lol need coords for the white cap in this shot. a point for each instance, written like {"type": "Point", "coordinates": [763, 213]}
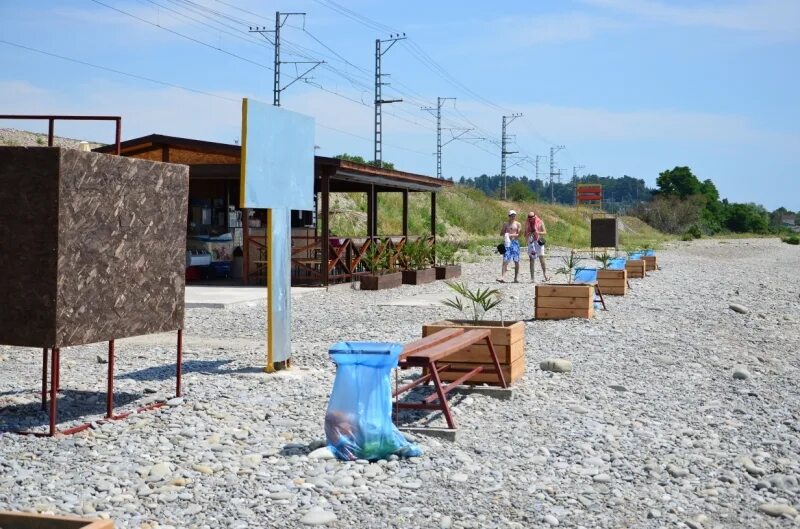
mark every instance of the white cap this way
{"type": "Point", "coordinates": [512, 212]}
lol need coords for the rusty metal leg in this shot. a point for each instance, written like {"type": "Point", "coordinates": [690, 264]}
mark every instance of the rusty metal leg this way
{"type": "Point", "coordinates": [110, 389]}
{"type": "Point", "coordinates": [54, 368]}
{"type": "Point", "coordinates": [44, 378]}
{"type": "Point", "coordinates": [500, 375]}
{"type": "Point", "coordinates": [437, 383]}
{"type": "Point", "coordinates": [180, 363]}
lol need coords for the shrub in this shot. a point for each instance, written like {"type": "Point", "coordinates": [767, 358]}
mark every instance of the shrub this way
{"type": "Point", "coordinates": [694, 231]}
{"type": "Point", "coordinates": [687, 237]}
{"type": "Point", "coordinates": [792, 239]}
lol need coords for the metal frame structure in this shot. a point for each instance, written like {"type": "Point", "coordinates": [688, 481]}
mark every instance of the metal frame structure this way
{"type": "Point", "coordinates": [53, 355]}
{"type": "Point", "coordinates": [51, 119]}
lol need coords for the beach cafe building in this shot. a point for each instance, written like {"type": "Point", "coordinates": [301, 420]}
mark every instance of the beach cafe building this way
{"type": "Point", "coordinates": [224, 241]}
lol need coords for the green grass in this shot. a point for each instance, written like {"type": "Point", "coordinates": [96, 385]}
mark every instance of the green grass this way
{"type": "Point", "coordinates": [468, 216]}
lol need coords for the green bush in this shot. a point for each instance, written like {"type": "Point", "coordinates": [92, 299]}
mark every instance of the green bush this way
{"type": "Point", "coordinates": [792, 239]}
{"type": "Point", "coordinates": [687, 237]}
{"type": "Point", "coordinates": [694, 231]}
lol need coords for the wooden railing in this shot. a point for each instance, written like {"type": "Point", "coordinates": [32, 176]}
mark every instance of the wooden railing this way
{"type": "Point", "coordinates": [345, 256]}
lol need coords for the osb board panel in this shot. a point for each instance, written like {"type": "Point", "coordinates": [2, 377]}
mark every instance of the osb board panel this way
{"type": "Point", "coordinates": [511, 372]}
{"type": "Point", "coordinates": [188, 157]}
{"type": "Point", "coordinates": [18, 520]}
{"type": "Point", "coordinates": [542, 313]}
{"type": "Point", "coordinates": [566, 291]}
{"type": "Point", "coordinates": [503, 333]}
{"type": "Point", "coordinates": [107, 236]}
{"type": "Point", "coordinates": [563, 303]}
{"type": "Point", "coordinates": [122, 247]}
{"type": "Point", "coordinates": [28, 244]}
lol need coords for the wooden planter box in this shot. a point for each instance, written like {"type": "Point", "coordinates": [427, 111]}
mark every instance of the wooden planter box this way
{"type": "Point", "coordinates": [650, 262]}
{"type": "Point", "coordinates": [448, 272]}
{"type": "Point", "coordinates": [612, 282]}
{"type": "Point", "coordinates": [508, 339]}
{"type": "Point", "coordinates": [558, 302]}
{"type": "Point", "coordinates": [19, 520]}
{"type": "Point", "coordinates": [381, 282]}
{"type": "Point", "coordinates": [419, 277]}
{"type": "Point", "coordinates": [636, 268]}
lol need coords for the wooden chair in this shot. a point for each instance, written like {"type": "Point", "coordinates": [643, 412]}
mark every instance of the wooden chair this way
{"type": "Point", "coordinates": [588, 276]}
{"type": "Point", "coordinates": [430, 353]}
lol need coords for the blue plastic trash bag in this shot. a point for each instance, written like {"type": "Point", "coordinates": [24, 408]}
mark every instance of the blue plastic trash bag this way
{"type": "Point", "coordinates": [358, 423]}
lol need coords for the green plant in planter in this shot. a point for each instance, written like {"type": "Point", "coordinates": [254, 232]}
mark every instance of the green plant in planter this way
{"type": "Point", "coordinates": [415, 255]}
{"type": "Point", "coordinates": [379, 258]}
{"type": "Point", "coordinates": [445, 254]}
{"type": "Point", "coordinates": [374, 260]}
{"type": "Point", "coordinates": [604, 259]}
{"type": "Point", "coordinates": [478, 301]}
{"type": "Point", "coordinates": [570, 263]}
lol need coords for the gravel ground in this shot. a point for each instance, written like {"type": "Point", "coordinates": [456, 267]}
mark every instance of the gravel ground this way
{"type": "Point", "coordinates": [678, 412]}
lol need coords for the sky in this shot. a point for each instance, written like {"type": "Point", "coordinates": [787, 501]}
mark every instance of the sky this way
{"type": "Point", "coordinates": [627, 87]}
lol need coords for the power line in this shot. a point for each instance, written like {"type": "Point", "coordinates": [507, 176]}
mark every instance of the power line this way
{"type": "Point", "coordinates": [184, 36]}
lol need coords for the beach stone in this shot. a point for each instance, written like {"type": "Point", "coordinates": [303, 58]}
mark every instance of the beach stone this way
{"type": "Point", "coordinates": [556, 365]}
{"type": "Point", "coordinates": [203, 469]}
{"type": "Point", "coordinates": [445, 522]}
{"type": "Point", "coordinates": [741, 373]}
{"type": "Point", "coordinates": [158, 472]}
{"type": "Point", "coordinates": [551, 520]}
{"type": "Point", "coordinates": [602, 478]}
{"type": "Point", "coordinates": [741, 309]}
{"type": "Point", "coordinates": [318, 516]}
{"type": "Point", "coordinates": [175, 401]}
{"type": "Point", "coordinates": [676, 471]}
{"type": "Point", "coordinates": [777, 509]}
{"type": "Point", "coordinates": [321, 453]}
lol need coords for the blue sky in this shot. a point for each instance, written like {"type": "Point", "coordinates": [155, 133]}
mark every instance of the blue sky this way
{"type": "Point", "coordinates": [627, 86]}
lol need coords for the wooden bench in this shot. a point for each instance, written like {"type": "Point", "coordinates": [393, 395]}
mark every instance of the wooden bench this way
{"type": "Point", "coordinates": [430, 353]}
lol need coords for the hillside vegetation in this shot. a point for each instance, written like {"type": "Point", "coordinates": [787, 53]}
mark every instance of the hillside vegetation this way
{"type": "Point", "coordinates": [466, 214]}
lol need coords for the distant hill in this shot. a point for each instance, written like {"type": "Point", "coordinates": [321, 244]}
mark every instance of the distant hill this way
{"type": "Point", "coordinates": [23, 138]}
{"type": "Point", "coordinates": [467, 214]}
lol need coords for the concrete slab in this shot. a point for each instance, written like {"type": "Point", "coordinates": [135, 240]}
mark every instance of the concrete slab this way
{"type": "Point", "coordinates": [222, 297]}
{"type": "Point", "coordinates": [420, 300]}
{"type": "Point", "coordinates": [440, 433]}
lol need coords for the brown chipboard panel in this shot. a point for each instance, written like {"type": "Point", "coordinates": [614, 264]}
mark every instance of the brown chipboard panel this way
{"type": "Point", "coordinates": [92, 246]}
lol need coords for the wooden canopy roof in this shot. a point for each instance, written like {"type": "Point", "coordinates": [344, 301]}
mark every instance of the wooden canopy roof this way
{"type": "Point", "coordinates": [214, 160]}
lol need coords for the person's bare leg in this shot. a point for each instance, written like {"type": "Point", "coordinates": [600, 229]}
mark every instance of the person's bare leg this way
{"type": "Point", "coordinates": [532, 265]}
{"type": "Point", "coordinates": [544, 268]}
{"type": "Point", "coordinates": [504, 270]}
{"type": "Point", "coordinates": [516, 271]}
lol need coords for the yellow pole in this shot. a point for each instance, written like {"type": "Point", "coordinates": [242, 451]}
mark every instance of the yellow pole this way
{"type": "Point", "coordinates": [270, 368]}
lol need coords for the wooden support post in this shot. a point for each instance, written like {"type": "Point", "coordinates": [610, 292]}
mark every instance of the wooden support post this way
{"type": "Point", "coordinates": [433, 225]}
{"type": "Point", "coordinates": [246, 244]}
{"type": "Point", "coordinates": [405, 213]}
{"type": "Point", "coordinates": [324, 239]}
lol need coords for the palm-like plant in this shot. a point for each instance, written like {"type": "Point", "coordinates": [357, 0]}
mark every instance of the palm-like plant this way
{"type": "Point", "coordinates": [445, 254]}
{"type": "Point", "coordinates": [373, 259]}
{"type": "Point", "coordinates": [478, 301]}
{"type": "Point", "coordinates": [604, 259]}
{"type": "Point", "coordinates": [570, 263]}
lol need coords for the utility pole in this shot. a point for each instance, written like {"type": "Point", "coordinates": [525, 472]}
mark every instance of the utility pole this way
{"type": "Point", "coordinates": [503, 152]}
{"type": "Point", "coordinates": [575, 181]}
{"type": "Point", "coordinates": [461, 132]}
{"type": "Point", "coordinates": [553, 151]}
{"type": "Point", "coordinates": [538, 157]}
{"type": "Point", "coordinates": [280, 20]}
{"type": "Point", "coordinates": [379, 101]}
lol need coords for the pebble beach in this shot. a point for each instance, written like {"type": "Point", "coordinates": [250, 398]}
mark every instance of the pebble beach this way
{"type": "Point", "coordinates": [679, 406]}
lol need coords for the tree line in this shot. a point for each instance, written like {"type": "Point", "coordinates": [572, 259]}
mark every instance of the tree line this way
{"type": "Point", "coordinates": [680, 203]}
